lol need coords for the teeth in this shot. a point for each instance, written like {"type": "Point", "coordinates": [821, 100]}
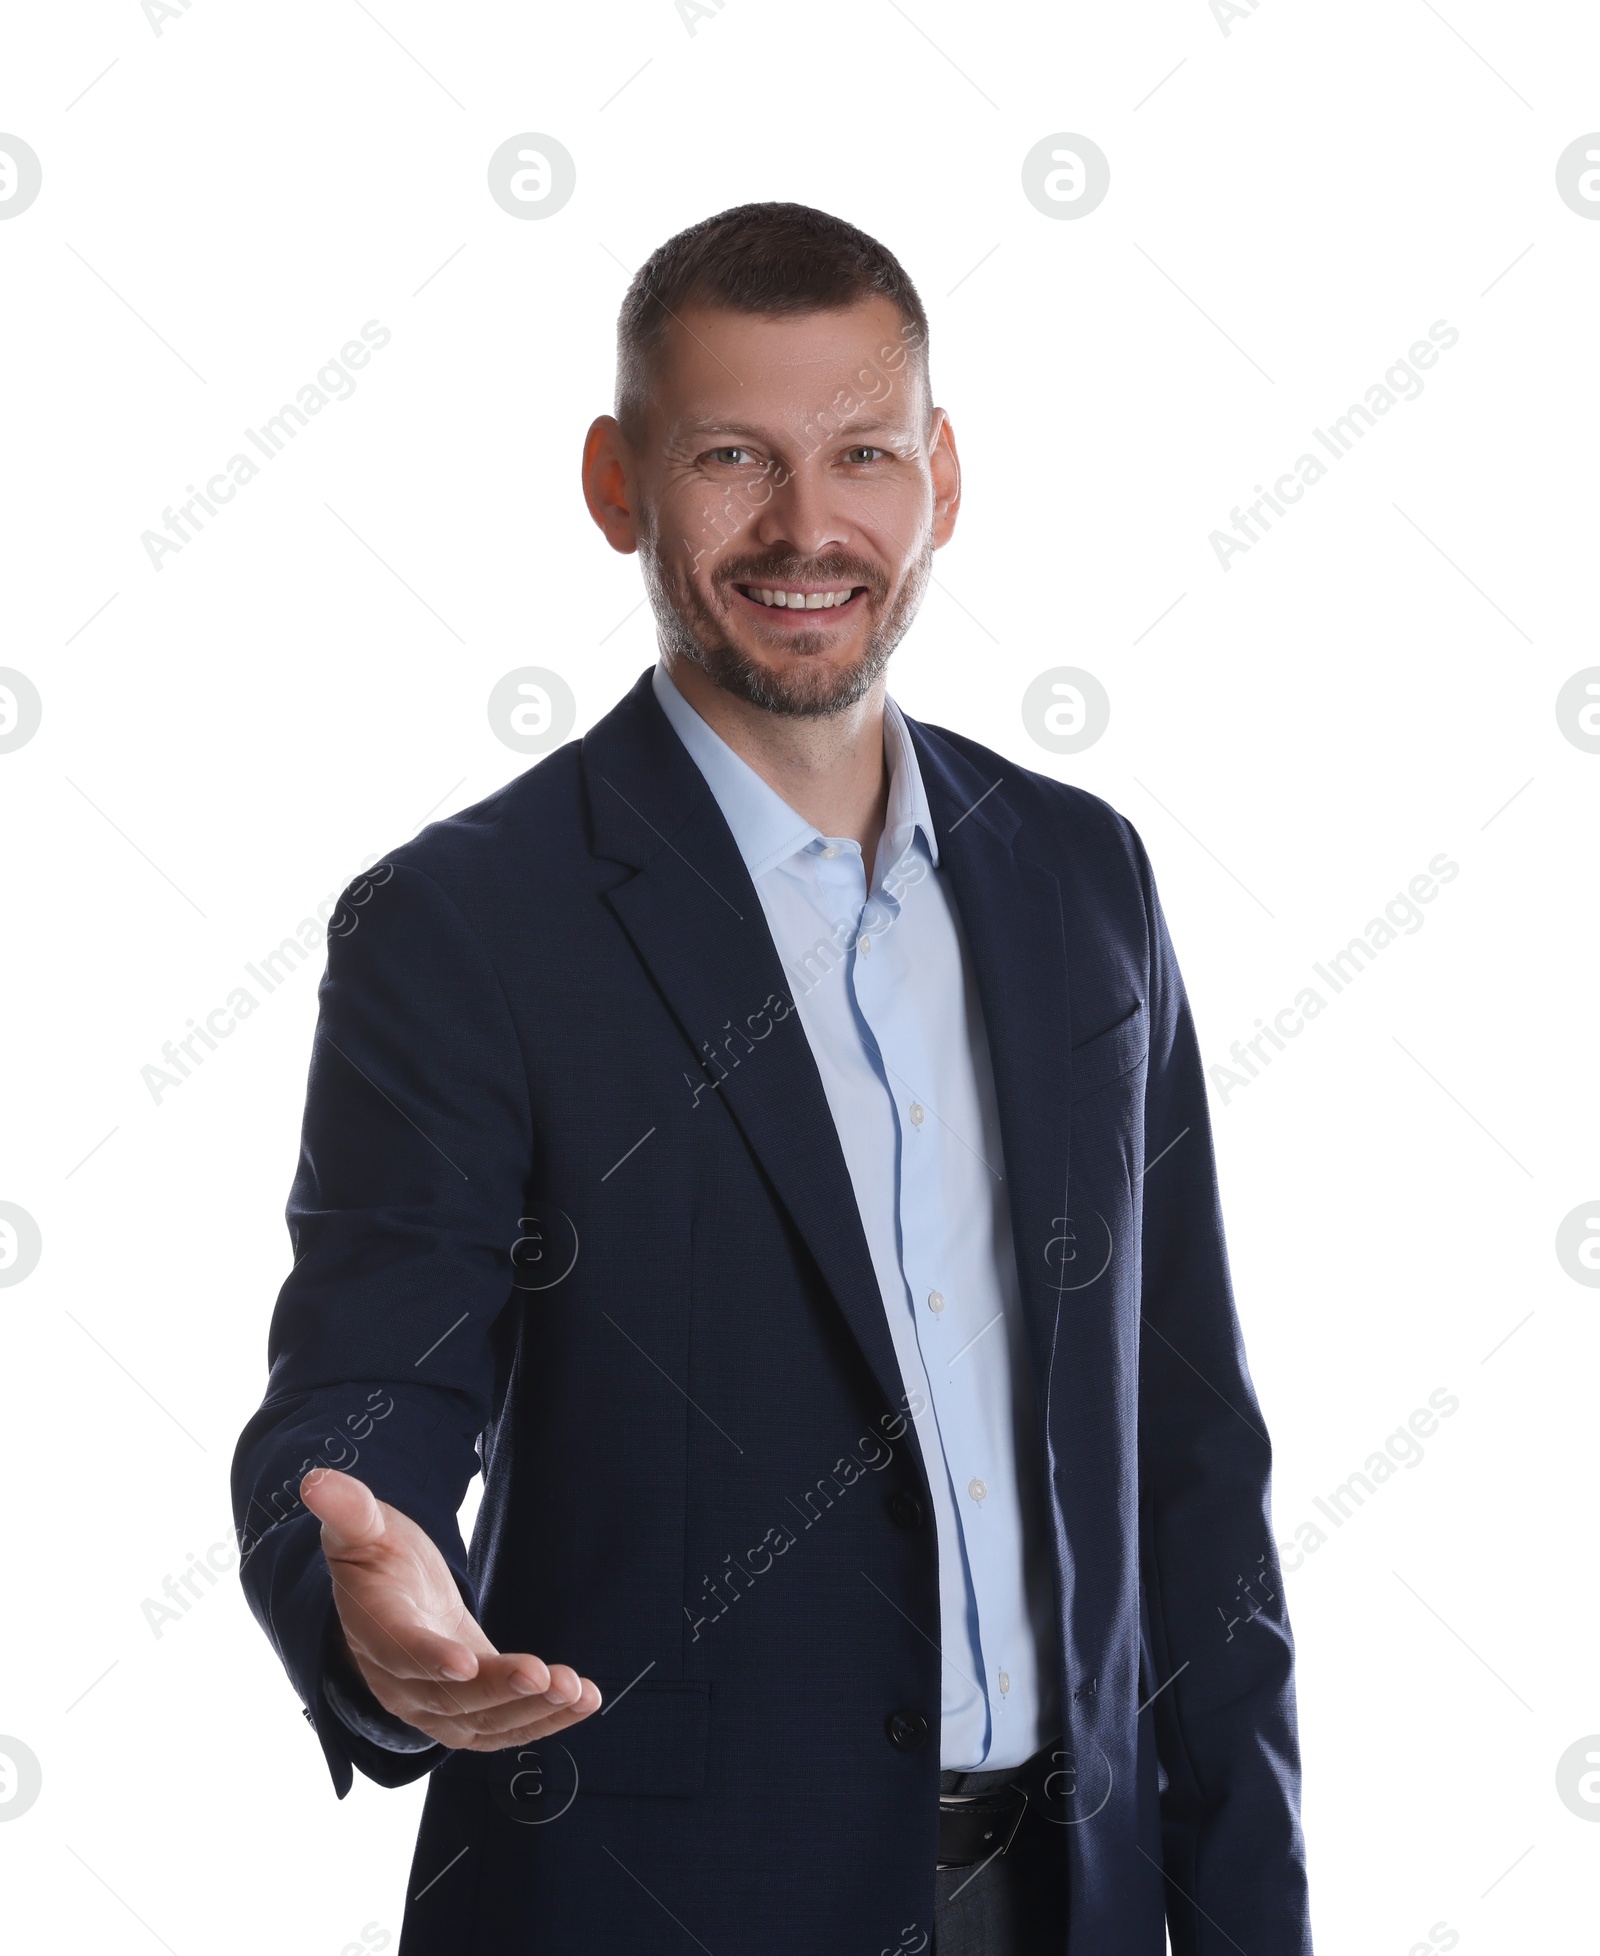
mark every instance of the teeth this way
{"type": "Point", "coordinates": [803, 600]}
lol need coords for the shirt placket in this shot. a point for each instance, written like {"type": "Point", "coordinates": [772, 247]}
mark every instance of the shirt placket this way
{"type": "Point", "coordinates": [943, 1320]}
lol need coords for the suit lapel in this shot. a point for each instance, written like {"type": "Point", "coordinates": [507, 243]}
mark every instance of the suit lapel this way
{"type": "Point", "coordinates": [1015, 928]}
{"type": "Point", "coordinates": [693, 916]}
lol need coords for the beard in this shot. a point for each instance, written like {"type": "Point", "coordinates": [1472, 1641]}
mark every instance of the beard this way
{"type": "Point", "coordinates": [813, 687]}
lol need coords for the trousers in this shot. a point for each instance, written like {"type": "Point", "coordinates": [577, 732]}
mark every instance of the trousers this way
{"type": "Point", "coordinates": [1015, 1903]}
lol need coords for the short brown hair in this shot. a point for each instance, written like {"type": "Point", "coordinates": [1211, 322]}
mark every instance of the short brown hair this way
{"type": "Point", "coordinates": [778, 259]}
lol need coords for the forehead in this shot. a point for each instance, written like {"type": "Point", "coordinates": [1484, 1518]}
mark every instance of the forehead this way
{"type": "Point", "coordinates": [715, 365]}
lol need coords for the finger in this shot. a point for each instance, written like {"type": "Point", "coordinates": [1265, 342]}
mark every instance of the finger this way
{"type": "Point", "coordinates": [350, 1513]}
{"type": "Point", "coordinates": [502, 1680]}
{"type": "Point", "coordinates": [565, 1684]}
{"type": "Point", "coordinates": [466, 1735]}
{"type": "Point", "coordinates": [518, 1714]}
{"type": "Point", "coordinates": [531, 1733]}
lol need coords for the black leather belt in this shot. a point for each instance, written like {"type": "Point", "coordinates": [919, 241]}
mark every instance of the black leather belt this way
{"type": "Point", "coordinates": [975, 1827]}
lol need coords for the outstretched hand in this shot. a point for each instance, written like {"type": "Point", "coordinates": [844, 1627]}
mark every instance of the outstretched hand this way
{"type": "Point", "coordinates": [415, 1642]}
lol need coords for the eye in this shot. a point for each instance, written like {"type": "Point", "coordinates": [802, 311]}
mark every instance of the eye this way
{"type": "Point", "coordinates": [733, 457]}
{"type": "Point", "coordinates": [863, 455]}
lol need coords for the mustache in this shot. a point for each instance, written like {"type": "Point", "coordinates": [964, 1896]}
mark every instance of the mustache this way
{"type": "Point", "coordinates": [838, 567]}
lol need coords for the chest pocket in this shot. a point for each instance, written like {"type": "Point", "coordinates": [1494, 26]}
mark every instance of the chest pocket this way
{"type": "Point", "coordinates": [1108, 1055]}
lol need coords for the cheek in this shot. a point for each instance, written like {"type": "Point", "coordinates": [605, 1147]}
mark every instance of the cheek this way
{"type": "Point", "coordinates": [893, 528]}
{"type": "Point", "coordinates": [904, 507]}
{"type": "Point", "coordinates": [710, 512]}
{"type": "Point", "coordinates": [677, 533]}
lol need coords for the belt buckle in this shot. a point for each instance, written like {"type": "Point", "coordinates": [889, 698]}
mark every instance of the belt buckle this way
{"type": "Point", "coordinates": [958, 1803]}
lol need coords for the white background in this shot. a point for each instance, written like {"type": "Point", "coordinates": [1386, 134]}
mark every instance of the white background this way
{"type": "Point", "coordinates": [1373, 683]}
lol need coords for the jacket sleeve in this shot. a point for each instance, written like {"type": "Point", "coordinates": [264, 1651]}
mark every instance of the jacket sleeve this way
{"type": "Point", "coordinates": [1216, 1618]}
{"type": "Point", "coordinates": [415, 1154]}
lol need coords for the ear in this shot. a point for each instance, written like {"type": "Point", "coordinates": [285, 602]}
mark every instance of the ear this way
{"type": "Point", "coordinates": [608, 483]}
{"type": "Point", "coordinates": [945, 464]}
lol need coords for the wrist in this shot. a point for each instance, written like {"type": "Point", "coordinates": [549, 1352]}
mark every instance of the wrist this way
{"type": "Point", "coordinates": [353, 1702]}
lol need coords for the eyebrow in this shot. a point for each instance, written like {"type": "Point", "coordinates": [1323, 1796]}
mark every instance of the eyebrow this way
{"type": "Point", "coordinates": [713, 426]}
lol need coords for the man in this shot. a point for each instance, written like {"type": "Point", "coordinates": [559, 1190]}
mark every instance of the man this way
{"type": "Point", "coordinates": [768, 1139]}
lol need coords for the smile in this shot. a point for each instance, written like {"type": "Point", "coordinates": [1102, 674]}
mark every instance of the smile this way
{"type": "Point", "coordinates": [833, 598]}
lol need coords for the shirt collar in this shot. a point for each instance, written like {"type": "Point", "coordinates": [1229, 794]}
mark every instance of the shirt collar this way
{"type": "Point", "coordinates": [908, 813]}
{"type": "Point", "coordinates": [765, 828]}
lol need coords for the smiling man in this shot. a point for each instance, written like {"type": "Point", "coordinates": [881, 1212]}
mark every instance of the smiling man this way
{"type": "Point", "coordinates": [768, 1140]}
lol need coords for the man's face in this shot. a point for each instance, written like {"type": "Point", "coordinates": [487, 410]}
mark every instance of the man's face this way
{"type": "Point", "coordinates": [786, 496]}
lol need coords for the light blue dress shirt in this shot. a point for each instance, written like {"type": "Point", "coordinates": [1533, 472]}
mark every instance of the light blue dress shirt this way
{"type": "Point", "coordinates": [886, 994]}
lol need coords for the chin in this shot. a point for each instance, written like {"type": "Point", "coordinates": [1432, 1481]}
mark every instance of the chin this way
{"type": "Point", "coordinates": [810, 677]}
{"type": "Point", "coordinates": [810, 648]}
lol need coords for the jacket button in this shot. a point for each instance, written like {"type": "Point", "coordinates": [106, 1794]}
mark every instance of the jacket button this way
{"type": "Point", "coordinates": [905, 1510]}
{"type": "Point", "coordinates": [907, 1730]}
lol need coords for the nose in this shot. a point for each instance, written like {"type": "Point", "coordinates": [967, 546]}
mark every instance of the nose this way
{"type": "Point", "coordinates": [799, 517]}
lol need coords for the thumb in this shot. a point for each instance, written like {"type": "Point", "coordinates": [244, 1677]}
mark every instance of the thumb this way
{"type": "Point", "coordinates": [351, 1515]}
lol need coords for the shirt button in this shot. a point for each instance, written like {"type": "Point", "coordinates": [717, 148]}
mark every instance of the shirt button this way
{"type": "Point", "coordinates": [829, 853]}
{"type": "Point", "coordinates": [977, 1489]}
{"type": "Point", "coordinates": [863, 942]}
{"type": "Point", "coordinates": [1005, 1682]}
{"type": "Point", "coordinates": [935, 1300]}
{"type": "Point", "coordinates": [917, 1114]}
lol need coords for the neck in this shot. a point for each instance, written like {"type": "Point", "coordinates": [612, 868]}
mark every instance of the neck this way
{"type": "Point", "coordinates": [830, 768]}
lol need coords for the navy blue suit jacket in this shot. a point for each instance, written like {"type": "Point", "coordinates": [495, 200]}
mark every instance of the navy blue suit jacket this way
{"type": "Point", "coordinates": [557, 1023]}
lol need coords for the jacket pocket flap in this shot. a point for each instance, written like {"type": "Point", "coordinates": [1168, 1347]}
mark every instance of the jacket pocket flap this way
{"type": "Point", "coordinates": [1105, 1057]}
{"type": "Point", "coordinates": [648, 1740]}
